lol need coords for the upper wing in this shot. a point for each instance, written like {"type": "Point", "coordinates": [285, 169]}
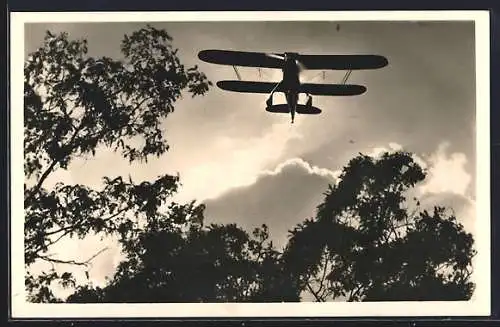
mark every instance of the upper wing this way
{"type": "Point", "coordinates": [332, 89]}
{"type": "Point", "coordinates": [343, 62]}
{"type": "Point", "coordinates": [248, 87]}
{"type": "Point", "coordinates": [240, 58]}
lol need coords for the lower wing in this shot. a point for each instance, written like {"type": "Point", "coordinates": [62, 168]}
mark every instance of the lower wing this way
{"type": "Point", "coordinates": [313, 89]}
{"type": "Point", "coordinates": [332, 89]}
{"type": "Point", "coordinates": [248, 87]}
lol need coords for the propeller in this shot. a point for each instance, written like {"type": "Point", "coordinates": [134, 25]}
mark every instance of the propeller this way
{"type": "Point", "coordinates": [276, 56]}
{"type": "Point", "coordinates": [301, 66]}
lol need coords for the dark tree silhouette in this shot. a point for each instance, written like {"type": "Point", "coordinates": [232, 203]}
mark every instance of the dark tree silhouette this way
{"type": "Point", "coordinates": [75, 104]}
{"type": "Point", "coordinates": [368, 242]}
{"type": "Point", "coordinates": [194, 263]}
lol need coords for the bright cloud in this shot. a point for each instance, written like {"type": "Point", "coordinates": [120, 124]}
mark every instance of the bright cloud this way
{"type": "Point", "coordinates": [306, 166]}
{"type": "Point", "coordinates": [447, 172]}
{"type": "Point", "coordinates": [242, 162]}
{"type": "Point", "coordinates": [378, 151]}
{"type": "Point", "coordinates": [280, 198]}
{"type": "Point", "coordinates": [447, 184]}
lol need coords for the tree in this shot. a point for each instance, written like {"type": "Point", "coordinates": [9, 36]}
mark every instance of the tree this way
{"type": "Point", "coordinates": [75, 104]}
{"type": "Point", "coordinates": [169, 262]}
{"type": "Point", "coordinates": [368, 242]}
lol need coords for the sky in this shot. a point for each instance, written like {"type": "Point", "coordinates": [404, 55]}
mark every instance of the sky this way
{"type": "Point", "coordinates": [252, 167]}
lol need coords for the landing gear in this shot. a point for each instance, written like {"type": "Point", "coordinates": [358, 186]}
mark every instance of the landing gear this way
{"type": "Point", "coordinates": [269, 101]}
{"type": "Point", "coordinates": [309, 101]}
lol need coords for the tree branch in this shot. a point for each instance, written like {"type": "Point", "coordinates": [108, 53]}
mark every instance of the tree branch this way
{"type": "Point", "coordinates": [316, 295]}
{"type": "Point", "coordinates": [73, 262]}
{"type": "Point", "coordinates": [55, 161]}
{"type": "Point", "coordinates": [355, 292]}
{"type": "Point", "coordinates": [325, 265]}
{"type": "Point", "coordinates": [67, 229]}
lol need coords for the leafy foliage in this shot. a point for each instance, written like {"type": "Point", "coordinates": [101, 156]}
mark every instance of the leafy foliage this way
{"type": "Point", "coordinates": [40, 287]}
{"type": "Point", "coordinates": [190, 262]}
{"type": "Point", "coordinates": [366, 244]}
{"type": "Point", "coordinates": [75, 104]}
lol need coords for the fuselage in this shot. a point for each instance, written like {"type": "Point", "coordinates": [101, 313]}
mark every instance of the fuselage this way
{"type": "Point", "coordinates": [291, 82]}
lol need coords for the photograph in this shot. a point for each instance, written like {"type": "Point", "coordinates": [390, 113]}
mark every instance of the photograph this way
{"type": "Point", "coordinates": [243, 164]}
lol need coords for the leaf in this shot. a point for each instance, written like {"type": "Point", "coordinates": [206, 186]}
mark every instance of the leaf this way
{"type": "Point", "coordinates": [66, 275]}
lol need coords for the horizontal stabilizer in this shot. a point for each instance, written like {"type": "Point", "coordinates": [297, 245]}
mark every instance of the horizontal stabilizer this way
{"type": "Point", "coordinates": [305, 110]}
{"type": "Point", "coordinates": [301, 109]}
{"type": "Point", "coordinates": [248, 87]}
{"type": "Point", "coordinates": [332, 89]}
{"type": "Point", "coordinates": [278, 108]}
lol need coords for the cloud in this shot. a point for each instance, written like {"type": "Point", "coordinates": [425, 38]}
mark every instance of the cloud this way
{"type": "Point", "coordinates": [447, 184]}
{"type": "Point", "coordinates": [313, 170]}
{"type": "Point", "coordinates": [461, 206]}
{"type": "Point", "coordinates": [234, 162]}
{"type": "Point", "coordinates": [289, 193]}
{"type": "Point", "coordinates": [379, 151]}
{"type": "Point", "coordinates": [279, 198]}
{"type": "Point", "coordinates": [447, 172]}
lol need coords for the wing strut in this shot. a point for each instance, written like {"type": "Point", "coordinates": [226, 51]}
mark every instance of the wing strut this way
{"type": "Point", "coordinates": [237, 73]}
{"type": "Point", "coordinates": [346, 77]}
{"type": "Point", "coordinates": [269, 101]}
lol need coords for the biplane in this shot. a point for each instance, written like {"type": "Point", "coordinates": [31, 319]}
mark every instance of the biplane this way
{"type": "Point", "coordinates": [292, 64]}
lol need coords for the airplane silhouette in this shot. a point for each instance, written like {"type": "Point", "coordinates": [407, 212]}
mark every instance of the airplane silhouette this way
{"type": "Point", "coordinates": [292, 64]}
